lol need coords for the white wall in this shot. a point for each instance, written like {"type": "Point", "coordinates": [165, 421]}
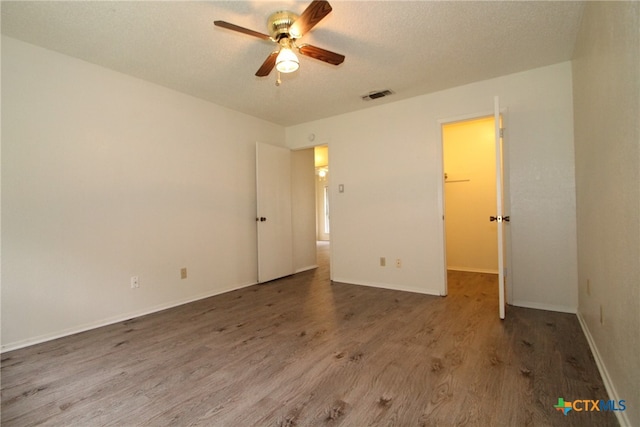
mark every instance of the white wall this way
{"type": "Point", "coordinates": [104, 177]}
{"type": "Point", "coordinates": [606, 75]}
{"type": "Point", "coordinates": [389, 160]}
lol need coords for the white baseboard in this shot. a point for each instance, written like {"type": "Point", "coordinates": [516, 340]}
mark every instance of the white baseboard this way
{"type": "Point", "coordinates": [473, 270]}
{"type": "Point", "coordinates": [307, 268]}
{"type": "Point", "coordinates": [110, 321]}
{"type": "Point", "coordinates": [608, 384]}
{"type": "Point", "coordinates": [543, 306]}
{"type": "Point", "coordinates": [388, 286]}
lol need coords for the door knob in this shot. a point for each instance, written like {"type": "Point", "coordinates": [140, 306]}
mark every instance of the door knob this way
{"type": "Point", "coordinates": [262, 219]}
{"type": "Point", "coordinates": [499, 218]}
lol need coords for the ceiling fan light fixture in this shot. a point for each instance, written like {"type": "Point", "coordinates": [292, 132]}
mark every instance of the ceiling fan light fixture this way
{"type": "Point", "coordinates": [285, 28]}
{"type": "Point", "coordinates": [287, 61]}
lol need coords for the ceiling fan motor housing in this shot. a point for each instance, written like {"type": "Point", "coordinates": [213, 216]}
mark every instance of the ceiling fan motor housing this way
{"type": "Point", "coordinates": [279, 24]}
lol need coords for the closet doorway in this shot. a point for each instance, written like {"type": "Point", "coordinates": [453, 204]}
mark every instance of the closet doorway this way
{"type": "Point", "coordinates": [470, 195]}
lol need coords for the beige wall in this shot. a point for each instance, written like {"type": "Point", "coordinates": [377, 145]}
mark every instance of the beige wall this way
{"type": "Point", "coordinates": [470, 195]}
{"type": "Point", "coordinates": [606, 84]}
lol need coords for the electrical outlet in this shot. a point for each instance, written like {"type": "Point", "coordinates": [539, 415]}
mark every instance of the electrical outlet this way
{"type": "Point", "coordinates": [183, 273]}
{"type": "Point", "coordinates": [398, 263]}
{"type": "Point", "coordinates": [383, 261]}
{"type": "Point", "coordinates": [135, 282]}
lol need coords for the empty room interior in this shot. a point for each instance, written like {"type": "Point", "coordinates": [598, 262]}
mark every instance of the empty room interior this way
{"type": "Point", "coordinates": [410, 213]}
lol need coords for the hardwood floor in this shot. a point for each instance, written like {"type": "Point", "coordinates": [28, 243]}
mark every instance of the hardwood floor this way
{"type": "Point", "coordinates": [302, 351]}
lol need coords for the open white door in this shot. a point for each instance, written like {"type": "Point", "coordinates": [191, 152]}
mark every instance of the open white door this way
{"type": "Point", "coordinates": [273, 219]}
{"type": "Point", "coordinates": [500, 218]}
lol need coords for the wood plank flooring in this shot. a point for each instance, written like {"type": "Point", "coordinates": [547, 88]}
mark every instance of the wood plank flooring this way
{"type": "Point", "coordinates": [302, 351]}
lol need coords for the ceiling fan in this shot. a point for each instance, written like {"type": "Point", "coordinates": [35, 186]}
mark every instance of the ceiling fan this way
{"type": "Point", "coordinates": [285, 28]}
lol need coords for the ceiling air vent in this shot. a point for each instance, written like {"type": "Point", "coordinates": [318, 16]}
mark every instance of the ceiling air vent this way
{"type": "Point", "coordinates": [377, 94]}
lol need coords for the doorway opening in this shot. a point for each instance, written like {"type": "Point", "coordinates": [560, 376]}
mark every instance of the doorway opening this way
{"type": "Point", "coordinates": [323, 224]}
{"type": "Point", "coordinates": [323, 227]}
{"type": "Point", "coordinates": [470, 196]}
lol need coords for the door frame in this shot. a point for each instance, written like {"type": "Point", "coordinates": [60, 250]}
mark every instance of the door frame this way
{"type": "Point", "coordinates": [505, 190]}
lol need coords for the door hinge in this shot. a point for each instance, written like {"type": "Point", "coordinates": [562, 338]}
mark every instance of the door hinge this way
{"type": "Point", "coordinates": [501, 132]}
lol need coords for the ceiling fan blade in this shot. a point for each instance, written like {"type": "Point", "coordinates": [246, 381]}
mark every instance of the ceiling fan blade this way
{"type": "Point", "coordinates": [267, 65]}
{"type": "Point", "coordinates": [239, 29]}
{"type": "Point", "coordinates": [321, 54]}
{"type": "Point", "coordinates": [313, 14]}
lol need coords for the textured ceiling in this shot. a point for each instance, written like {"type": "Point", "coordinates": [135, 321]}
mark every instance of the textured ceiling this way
{"type": "Point", "coordinates": [412, 47]}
